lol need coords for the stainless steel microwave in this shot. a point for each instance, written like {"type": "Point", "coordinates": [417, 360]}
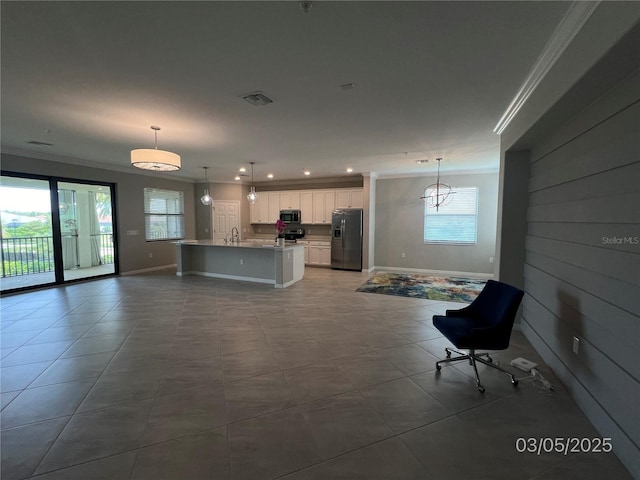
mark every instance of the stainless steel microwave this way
{"type": "Point", "coordinates": [290, 216]}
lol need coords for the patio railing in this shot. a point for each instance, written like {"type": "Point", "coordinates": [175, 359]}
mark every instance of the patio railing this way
{"type": "Point", "coordinates": [29, 255]}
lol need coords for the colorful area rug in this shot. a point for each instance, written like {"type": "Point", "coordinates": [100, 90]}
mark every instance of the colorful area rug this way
{"type": "Point", "coordinates": [450, 289]}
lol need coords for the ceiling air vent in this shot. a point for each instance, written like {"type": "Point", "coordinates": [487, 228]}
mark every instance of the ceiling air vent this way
{"type": "Point", "coordinates": [40, 144]}
{"type": "Point", "coordinates": [257, 98]}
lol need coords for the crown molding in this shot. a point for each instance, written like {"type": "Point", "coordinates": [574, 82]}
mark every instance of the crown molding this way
{"type": "Point", "coordinates": [572, 22]}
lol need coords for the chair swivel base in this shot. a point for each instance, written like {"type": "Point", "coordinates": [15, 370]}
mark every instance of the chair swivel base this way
{"type": "Point", "coordinates": [474, 357]}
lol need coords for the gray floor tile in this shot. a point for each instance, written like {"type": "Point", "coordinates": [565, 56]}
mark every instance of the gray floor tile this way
{"type": "Point", "coordinates": [257, 396]}
{"type": "Point", "coordinates": [201, 456]}
{"type": "Point", "coordinates": [343, 423]}
{"type": "Point", "coordinates": [241, 365]}
{"type": "Point", "coordinates": [24, 447]}
{"type": "Point", "coordinates": [179, 377]}
{"type": "Point", "coordinates": [36, 353]}
{"type": "Point", "coordinates": [271, 445]}
{"type": "Point", "coordinates": [367, 369]}
{"type": "Point", "coordinates": [116, 467]}
{"type": "Point", "coordinates": [466, 450]}
{"type": "Point", "coordinates": [7, 398]}
{"type": "Point", "coordinates": [18, 339]}
{"type": "Point", "coordinates": [18, 377]}
{"type": "Point", "coordinates": [386, 460]}
{"type": "Point", "coordinates": [454, 389]}
{"type": "Point", "coordinates": [185, 413]}
{"type": "Point", "coordinates": [410, 359]}
{"type": "Point", "coordinates": [317, 381]}
{"type": "Point", "coordinates": [57, 334]}
{"type": "Point", "coordinates": [90, 345]}
{"type": "Point", "coordinates": [209, 354]}
{"type": "Point", "coordinates": [120, 388]}
{"type": "Point", "coordinates": [298, 354]}
{"type": "Point", "coordinates": [403, 405]}
{"type": "Point", "coordinates": [94, 435]}
{"type": "Point", "coordinates": [75, 368]}
{"type": "Point", "coordinates": [43, 403]}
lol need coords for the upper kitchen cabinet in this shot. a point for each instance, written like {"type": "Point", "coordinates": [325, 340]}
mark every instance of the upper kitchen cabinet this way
{"type": "Point", "coordinates": [290, 200]}
{"type": "Point", "coordinates": [306, 207]}
{"type": "Point", "coordinates": [274, 207]}
{"type": "Point", "coordinates": [259, 211]}
{"type": "Point", "coordinates": [324, 202]}
{"type": "Point", "coordinates": [349, 198]}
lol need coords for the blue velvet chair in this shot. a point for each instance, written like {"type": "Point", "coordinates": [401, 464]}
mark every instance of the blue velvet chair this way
{"type": "Point", "coordinates": [485, 324]}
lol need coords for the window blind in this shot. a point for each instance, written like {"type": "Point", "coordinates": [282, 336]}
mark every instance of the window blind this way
{"type": "Point", "coordinates": [455, 223]}
{"type": "Point", "coordinates": [164, 214]}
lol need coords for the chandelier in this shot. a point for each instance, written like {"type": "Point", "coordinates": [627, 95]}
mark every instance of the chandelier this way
{"type": "Point", "coordinates": [252, 196]}
{"type": "Point", "coordinates": [154, 159]}
{"type": "Point", "coordinates": [438, 194]}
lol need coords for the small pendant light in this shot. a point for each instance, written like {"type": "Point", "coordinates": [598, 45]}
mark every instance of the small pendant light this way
{"type": "Point", "coordinates": [206, 198]}
{"type": "Point", "coordinates": [252, 196]}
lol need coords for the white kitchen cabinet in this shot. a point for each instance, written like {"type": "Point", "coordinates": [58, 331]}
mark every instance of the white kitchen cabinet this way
{"type": "Point", "coordinates": [289, 200]}
{"type": "Point", "coordinates": [324, 202]}
{"type": "Point", "coordinates": [306, 250]}
{"type": "Point", "coordinates": [306, 207]}
{"type": "Point", "coordinates": [349, 198]}
{"type": "Point", "coordinates": [259, 211]}
{"type": "Point", "coordinates": [319, 253]}
{"type": "Point", "coordinates": [274, 207]}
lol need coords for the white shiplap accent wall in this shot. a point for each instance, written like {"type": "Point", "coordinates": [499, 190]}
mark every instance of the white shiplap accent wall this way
{"type": "Point", "coordinates": [584, 188]}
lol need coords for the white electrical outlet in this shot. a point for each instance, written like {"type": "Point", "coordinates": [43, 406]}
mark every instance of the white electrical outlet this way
{"type": "Point", "coordinates": [242, 261]}
{"type": "Point", "coordinates": [490, 259]}
{"type": "Point", "coordinates": [150, 255]}
{"type": "Point", "coordinates": [403, 255]}
{"type": "Point", "coordinates": [576, 345]}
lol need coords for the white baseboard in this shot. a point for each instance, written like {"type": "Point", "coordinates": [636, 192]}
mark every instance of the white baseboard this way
{"type": "Point", "coordinates": [147, 270]}
{"type": "Point", "coordinates": [228, 277]}
{"type": "Point", "coordinates": [444, 273]}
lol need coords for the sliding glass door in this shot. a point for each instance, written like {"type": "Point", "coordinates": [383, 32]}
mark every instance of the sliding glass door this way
{"type": "Point", "coordinates": [43, 245]}
{"type": "Point", "coordinates": [26, 231]}
{"type": "Point", "coordinates": [86, 228]}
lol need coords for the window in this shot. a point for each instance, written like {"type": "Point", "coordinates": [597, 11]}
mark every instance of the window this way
{"type": "Point", "coordinates": [455, 223]}
{"type": "Point", "coordinates": [163, 214]}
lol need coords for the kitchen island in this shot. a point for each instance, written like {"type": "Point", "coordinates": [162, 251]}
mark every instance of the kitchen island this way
{"type": "Point", "coordinates": [246, 261]}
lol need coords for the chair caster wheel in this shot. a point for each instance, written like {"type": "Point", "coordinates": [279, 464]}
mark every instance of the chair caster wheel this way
{"type": "Point", "coordinates": [448, 354]}
{"type": "Point", "coordinates": [480, 388]}
{"type": "Point", "coordinates": [438, 367]}
{"type": "Point", "coordinates": [514, 382]}
{"type": "Point", "coordinates": [489, 359]}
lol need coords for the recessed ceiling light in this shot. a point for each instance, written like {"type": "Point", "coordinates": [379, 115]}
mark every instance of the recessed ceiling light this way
{"type": "Point", "coordinates": [424, 160]}
{"type": "Point", "coordinates": [237, 177]}
{"type": "Point", "coordinates": [307, 172]}
{"type": "Point", "coordinates": [270, 175]}
{"type": "Point", "coordinates": [242, 170]}
{"type": "Point", "coordinates": [349, 170]}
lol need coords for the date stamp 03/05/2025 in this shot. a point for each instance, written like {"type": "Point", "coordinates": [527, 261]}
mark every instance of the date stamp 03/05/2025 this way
{"type": "Point", "coordinates": [563, 445]}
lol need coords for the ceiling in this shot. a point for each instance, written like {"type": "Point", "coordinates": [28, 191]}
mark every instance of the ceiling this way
{"type": "Point", "coordinates": [432, 79]}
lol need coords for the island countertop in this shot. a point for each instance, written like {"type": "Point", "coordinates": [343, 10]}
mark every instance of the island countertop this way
{"type": "Point", "coordinates": [280, 266]}
{"type": "Point", "coordinates": [242, 244]}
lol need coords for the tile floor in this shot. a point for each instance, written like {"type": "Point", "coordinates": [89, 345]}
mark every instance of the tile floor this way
{"type": "Point", "coordinates": [161, 377]}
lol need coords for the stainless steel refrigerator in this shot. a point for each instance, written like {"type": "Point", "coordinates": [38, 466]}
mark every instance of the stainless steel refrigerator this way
{"type": "Point", "coordinates": [346, 239]}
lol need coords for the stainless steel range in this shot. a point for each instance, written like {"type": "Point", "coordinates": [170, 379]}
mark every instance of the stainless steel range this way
{"type": "Point", "coordinates": [293, 234]}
